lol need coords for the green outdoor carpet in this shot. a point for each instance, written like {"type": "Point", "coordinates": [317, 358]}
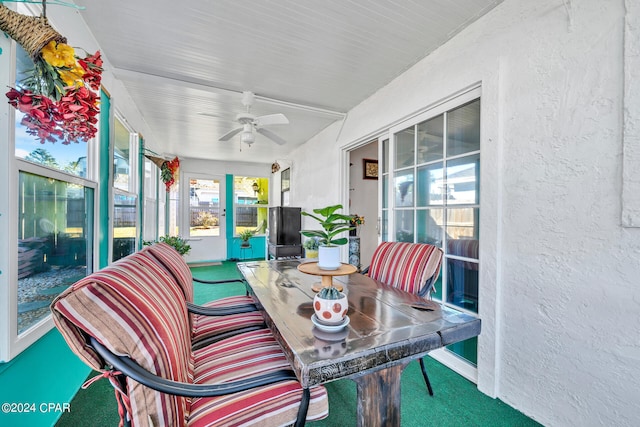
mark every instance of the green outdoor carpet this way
{"type": "Point", "coordinates": [456, 402]}
{"type": "Point", "coordinates": [225, 271]}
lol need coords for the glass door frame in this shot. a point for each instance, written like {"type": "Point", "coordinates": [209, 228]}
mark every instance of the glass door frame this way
{"type": "Point", "coordinates": [444, 356]}
{"type": "Point", "coordinates": [457, 99]}
{"type": "Point", "coordinates": [200, 244]}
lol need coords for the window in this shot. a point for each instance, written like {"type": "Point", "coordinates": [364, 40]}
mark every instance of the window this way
{"type": "Point", "coordinates": [250, 197]}
{"type": "Point", "coordinates": [151, 205]}
{"type": "Point", "coordinates": [285, 186]}
{"type": "Point", "coordinates": [55, 241]}
{"type": "Point", "coordinates": [49, 230]}
{"type": "Point", "coordinates": [70, 158]}
{"type": "Point", "coordinates": [123, 157]}
{"type": "Point", "coordinates": [171, 223]}
{"type": "Point", "coordinates": [432, 195]}
{"type": "Point", "coordinates": [204, 207]}
{"type": "Point", "coordinates": [384, 231]}
{"type": "Point", "coordinates": [54, 217]}
{"type": "Point", "coordinates": [125, 193]}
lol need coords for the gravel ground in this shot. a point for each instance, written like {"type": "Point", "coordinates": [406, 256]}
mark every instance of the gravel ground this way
{"type": "Point", "coordinates": [36, 292]}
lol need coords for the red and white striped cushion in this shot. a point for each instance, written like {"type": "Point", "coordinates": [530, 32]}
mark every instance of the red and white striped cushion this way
{"type": "Point", "coordinates": [175, 264]}
{"type": "Point", "coordinates": [244, 356]}
{"type": "Point", "coordinates": [203, 326]}
{"type": "Point", "coordinates": [132, 311]}
{"type": "Point", "coordinates": [271, 405]}
{"type": "Point", "coordinates": [407, 266]}
{"type": "Point", "coordinates": [133, 308]}
{"type": "Point", "coordinates": [239, 357]}
{"type": "Point", "coordinates": [206, 326]}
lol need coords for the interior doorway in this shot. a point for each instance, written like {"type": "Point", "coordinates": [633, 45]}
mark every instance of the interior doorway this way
{"type": "Point", "coordinates": [363, 198]}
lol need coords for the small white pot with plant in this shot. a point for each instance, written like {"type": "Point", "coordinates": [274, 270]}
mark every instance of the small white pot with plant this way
{"type": "Point", "coordinates": [330, 306]}
{"type": "Point", "coordinates": [332, 224]}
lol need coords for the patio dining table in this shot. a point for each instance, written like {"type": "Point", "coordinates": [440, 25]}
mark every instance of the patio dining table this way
{"type": "Point", "coordinates": [387, 329]}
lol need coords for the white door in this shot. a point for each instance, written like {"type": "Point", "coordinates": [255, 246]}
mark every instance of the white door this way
{"type": "Point", "coordinates": [203, 217]}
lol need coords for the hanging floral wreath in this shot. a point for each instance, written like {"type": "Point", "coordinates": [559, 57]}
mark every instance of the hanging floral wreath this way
{"type": "Point", "coordinates": [168, 169]}
{"type": "Point", "coordinates": [169, 172]}
{"type": "Point", "coordinates": [58, 97]}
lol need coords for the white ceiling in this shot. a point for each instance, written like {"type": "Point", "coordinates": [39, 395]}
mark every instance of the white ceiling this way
{"type": "Point", "coordinates": [311, 60]}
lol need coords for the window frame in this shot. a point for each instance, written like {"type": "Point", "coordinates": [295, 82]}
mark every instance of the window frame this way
{"type": "Point", "coordinates": [151, 204]}
{"type": "Point", "coordinates": [11, 342]}
{"type": "Point", "coordinates": [388, 207]}
{"type": "Point", "coordinates": [133, 180]}
{"type": "Point", "coordinates": [256, 206]}
{"type": "Point", "coordinates": [390, 171]}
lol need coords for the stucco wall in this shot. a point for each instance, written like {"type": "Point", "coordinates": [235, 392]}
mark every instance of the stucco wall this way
{"type": "Point", "coordinates": [559, 293]}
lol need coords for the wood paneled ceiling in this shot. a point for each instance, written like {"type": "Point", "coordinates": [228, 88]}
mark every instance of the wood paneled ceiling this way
{"type": "Point", "coordinates": [311, 60]}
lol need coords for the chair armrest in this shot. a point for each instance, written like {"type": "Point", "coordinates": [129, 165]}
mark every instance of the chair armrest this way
{"type": "Point", "coordinates": [220, 311]}
{"type": "Point", "coordinates": [215, 282]}
{"type": "Point", "coordinates": [131, 369]}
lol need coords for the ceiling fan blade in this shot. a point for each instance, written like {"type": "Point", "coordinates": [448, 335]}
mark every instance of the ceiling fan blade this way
{"type": "Point", "coordinates": [272, 136]}
{"type": "Point", "coordinates": [227, 136]}
{"type": "Point", "coordinates": [271, 119]}
{"type": "Point", "coordinates": [201, 113]}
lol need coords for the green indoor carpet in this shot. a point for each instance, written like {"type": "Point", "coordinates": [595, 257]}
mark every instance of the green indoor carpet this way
{"type": "Point", "coordinates": [224, 271]}
{"type": "Point", "coordinates": [456, 401]}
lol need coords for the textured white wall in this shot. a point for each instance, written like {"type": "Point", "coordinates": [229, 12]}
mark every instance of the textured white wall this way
{"type": "Point", "coordinates": [559, 292]}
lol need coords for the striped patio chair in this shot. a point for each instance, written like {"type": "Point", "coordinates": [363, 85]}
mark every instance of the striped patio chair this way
{"type": "Point", "coordinates": [129, 321]}
{"type": "Point", "coordinates": [412, 267]}
{"type": "Point", "coordinates": [215, 318]}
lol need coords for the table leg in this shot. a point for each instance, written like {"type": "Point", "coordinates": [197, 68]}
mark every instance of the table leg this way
{"type": "Point", "coordinates": [379, 397]}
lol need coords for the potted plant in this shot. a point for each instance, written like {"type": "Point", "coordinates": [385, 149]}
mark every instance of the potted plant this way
{"type": "Point", "coordinates": [330, 307]}
{"type": "Point", "coordinates": [245, 235]}
{"type": "Point", "coordinates": [332, 224]}
{"type": "Point", "coordinates": [177, 242]}
{"type": "Point", "coordinates": [311, 247]}
{"type": "Point", "coordinates": [356, 221]}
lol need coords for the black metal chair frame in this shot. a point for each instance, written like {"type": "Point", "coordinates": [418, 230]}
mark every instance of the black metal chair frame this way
{"type": "Point", "coordinates": [123, 366]}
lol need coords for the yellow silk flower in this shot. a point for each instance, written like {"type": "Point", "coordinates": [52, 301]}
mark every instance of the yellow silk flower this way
{"type": "Point", "coordinates": [72, 77]}
{"type": "Point", "coordinates": [59, 54]}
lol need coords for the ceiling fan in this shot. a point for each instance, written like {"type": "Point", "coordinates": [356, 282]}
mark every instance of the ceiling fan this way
{"type": "Point", "coordinates": [250, 123]}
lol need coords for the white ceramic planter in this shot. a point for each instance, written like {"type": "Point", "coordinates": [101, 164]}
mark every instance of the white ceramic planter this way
{"type": "Point", "coordinates": [329, 257]}
{"type": "Point", "coordinates": [331, 311]}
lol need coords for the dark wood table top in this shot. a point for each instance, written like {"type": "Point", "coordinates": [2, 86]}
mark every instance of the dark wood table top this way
{"type": "Point", "coordinates": [387, 326]}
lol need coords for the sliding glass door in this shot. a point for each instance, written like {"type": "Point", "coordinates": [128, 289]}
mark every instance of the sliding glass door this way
{"type": "Point", "coordinates": [431, 194]}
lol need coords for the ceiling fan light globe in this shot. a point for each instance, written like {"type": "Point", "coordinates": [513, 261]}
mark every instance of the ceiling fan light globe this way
{"type": "Point", "coordinates": [248, 138]}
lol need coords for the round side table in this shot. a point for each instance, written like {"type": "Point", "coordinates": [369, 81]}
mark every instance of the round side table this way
{"type": "Point", "coordinates": [327, 275]}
